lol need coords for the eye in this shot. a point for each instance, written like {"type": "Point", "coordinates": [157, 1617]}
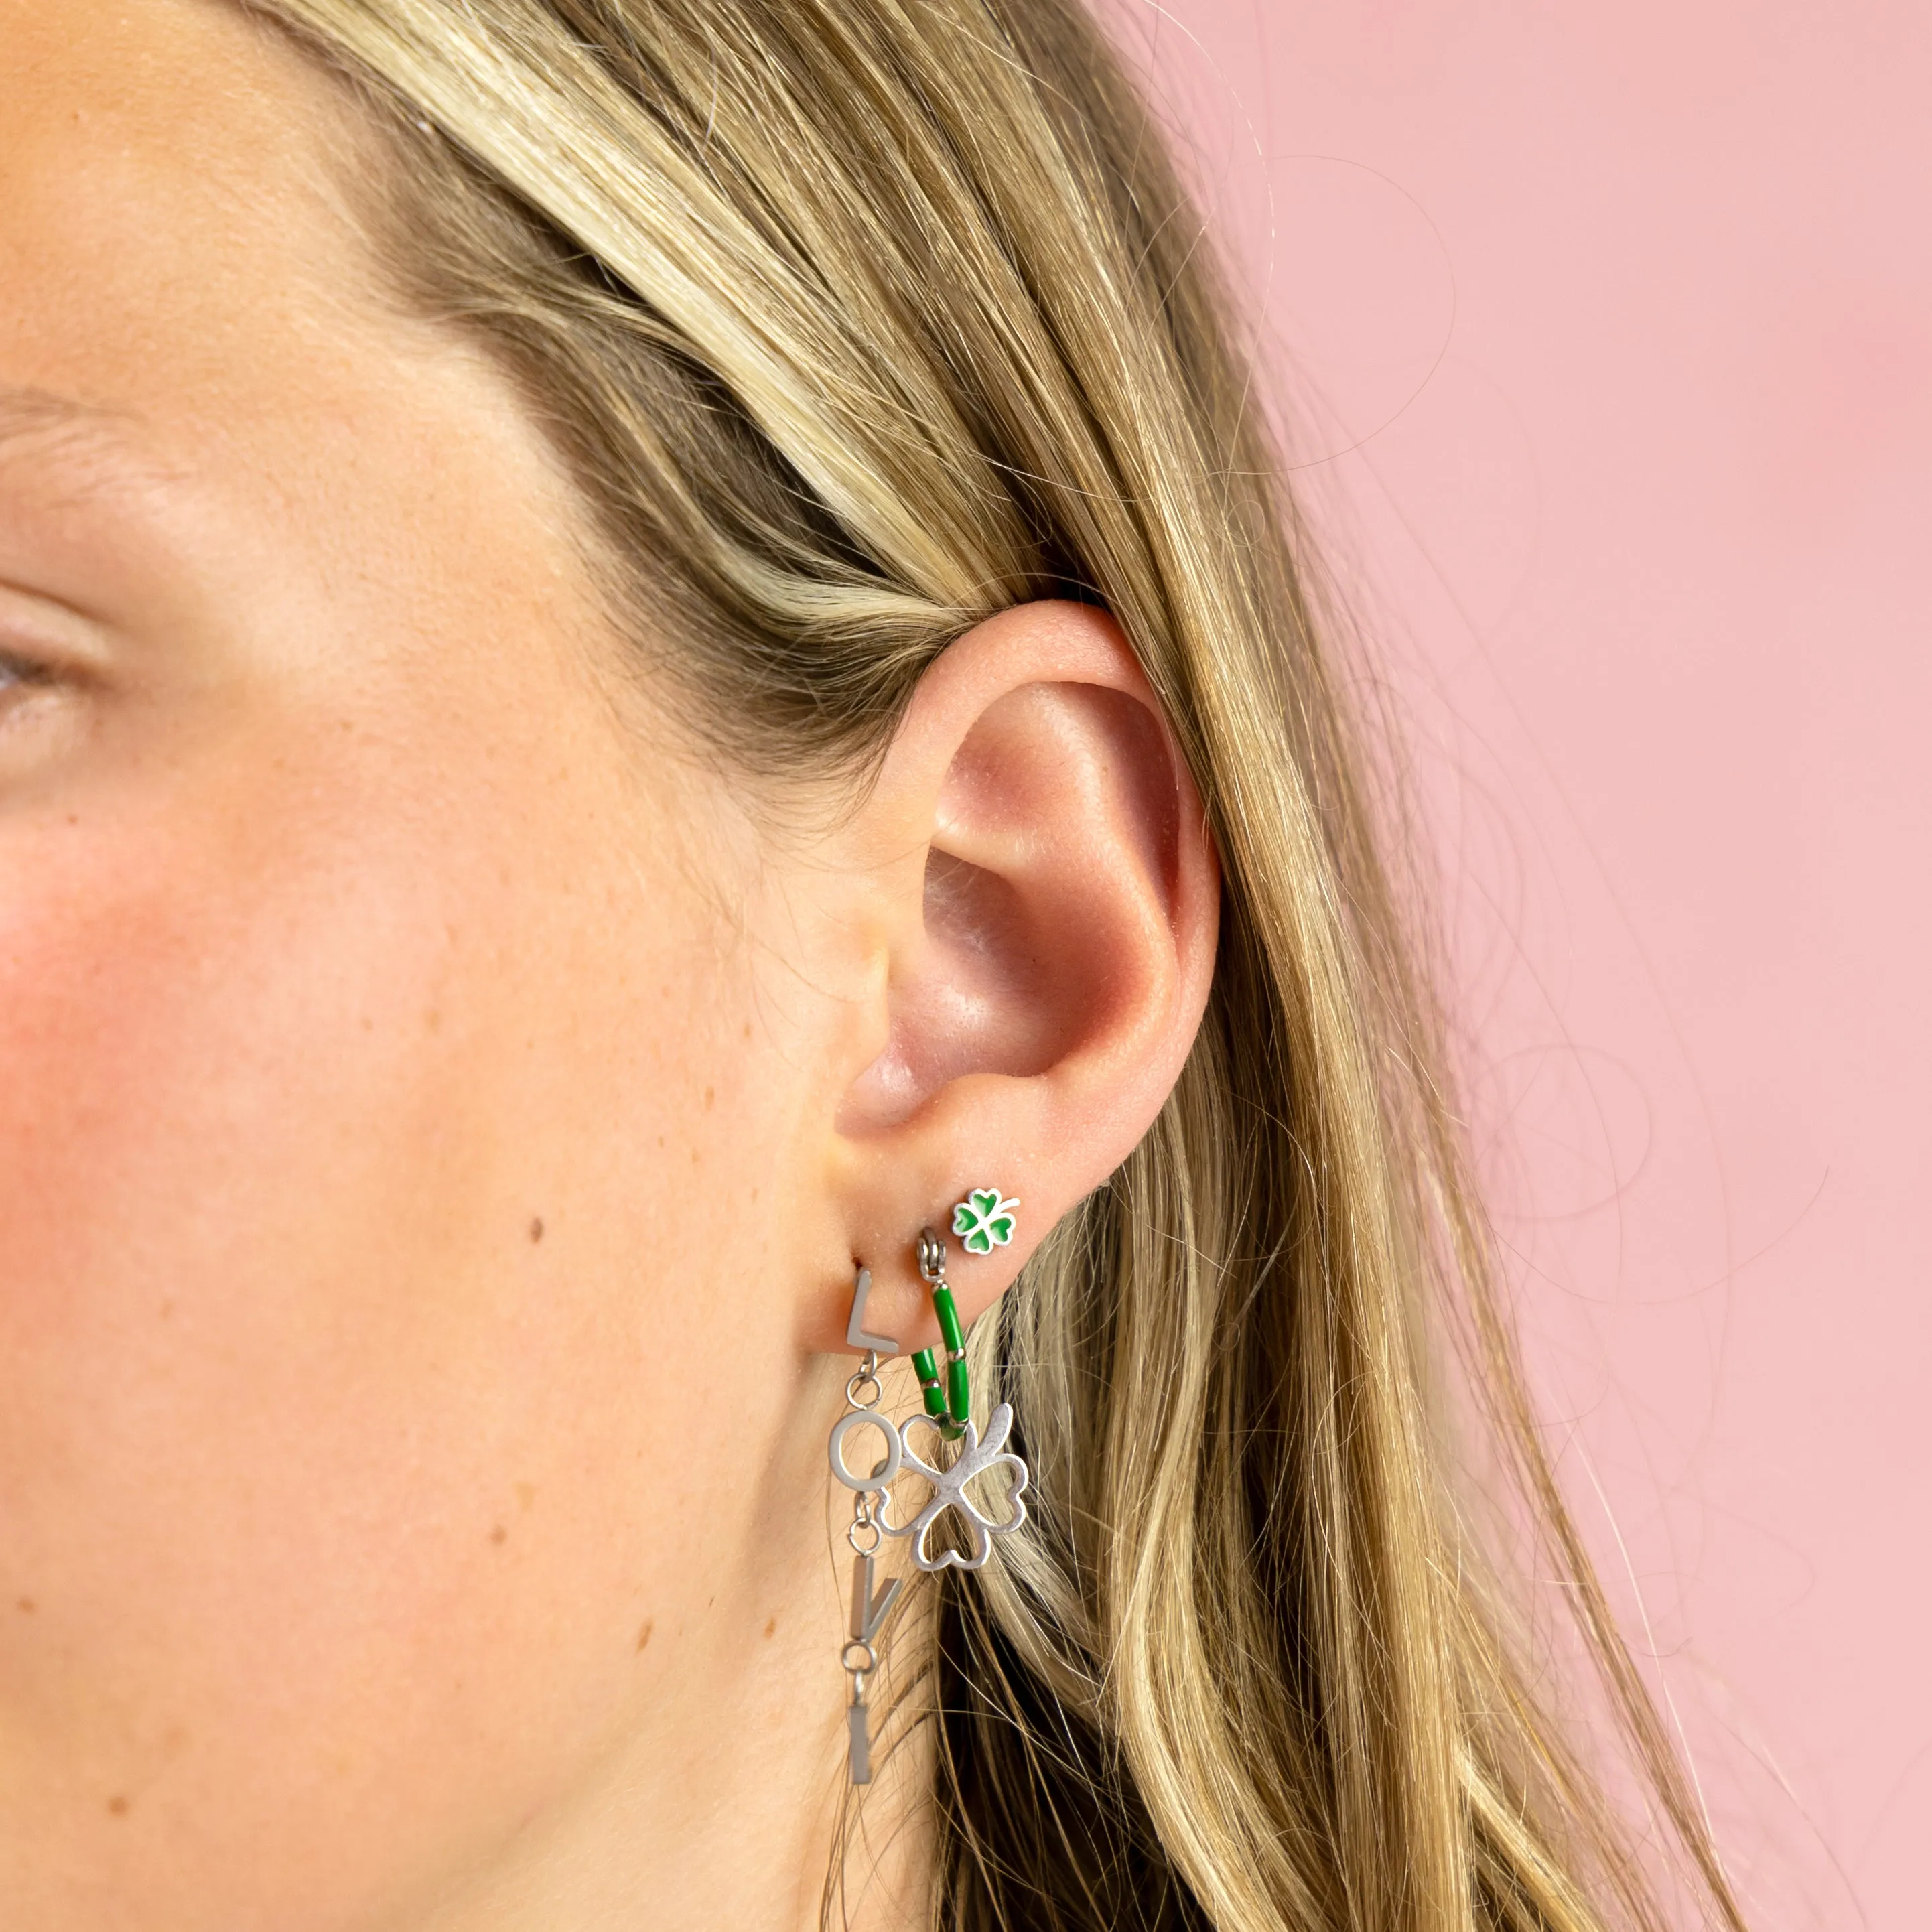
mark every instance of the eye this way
{"type": "Point", "coordinates": [15, 672]}
{"type": "Point", "coordinates": [24, 681]}
{"type": "Point", "coordinates": [43, 713]}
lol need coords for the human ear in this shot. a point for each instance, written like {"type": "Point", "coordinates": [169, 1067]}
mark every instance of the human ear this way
{"type": "Point", "coordinates": [1044, 901]}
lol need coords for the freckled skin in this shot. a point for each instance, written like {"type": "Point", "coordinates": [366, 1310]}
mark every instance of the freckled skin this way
{"type": "Point", "coordinates": [438, 1120]}
{"type": "Point", "coordinates": [334, 907]}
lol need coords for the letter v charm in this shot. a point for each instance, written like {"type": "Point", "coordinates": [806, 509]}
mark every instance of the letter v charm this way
{"type": "Point", "coordinates": [869, 1612]}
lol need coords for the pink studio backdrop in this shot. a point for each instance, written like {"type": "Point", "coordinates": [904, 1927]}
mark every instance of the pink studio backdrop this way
{"type": "Point", "coordinates": [1612, 321]}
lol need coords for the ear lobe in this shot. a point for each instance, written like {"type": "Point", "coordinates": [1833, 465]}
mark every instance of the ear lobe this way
{"type": "Point", "coordinates": [1050, 957]}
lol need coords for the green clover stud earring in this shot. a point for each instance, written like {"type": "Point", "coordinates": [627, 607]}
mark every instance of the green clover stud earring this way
{"type": "Point", "coordinates": [984, 1221]}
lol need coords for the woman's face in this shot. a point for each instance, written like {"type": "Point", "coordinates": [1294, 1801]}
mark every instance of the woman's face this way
{"type": "Point", "coordinates": [436, 1121]}
{"type": "Point", "coordinates": [385, 1080]}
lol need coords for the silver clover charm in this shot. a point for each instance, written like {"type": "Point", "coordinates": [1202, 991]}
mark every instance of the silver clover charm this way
{"type": "Point", "coordinates": [984, 1220]}
{"type": "Point", "coordinates": [948, 1491]}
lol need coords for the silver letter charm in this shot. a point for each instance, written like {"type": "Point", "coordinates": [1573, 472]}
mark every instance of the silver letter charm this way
{"type": "Point", "coordinates": [860, 1657]}
{"type": "Point", "coordinates": [856, 1336]}
{"type": "Point", "coordinates": [858, 1742]}
{"type": "Point", "coordinates": [869, 1612]}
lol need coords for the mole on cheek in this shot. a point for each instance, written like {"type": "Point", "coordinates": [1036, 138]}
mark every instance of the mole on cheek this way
{"type": "Point", "coordinates": [536, 1228]}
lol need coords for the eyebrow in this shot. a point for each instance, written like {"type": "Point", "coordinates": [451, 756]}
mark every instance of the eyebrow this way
{"type": "Point", "coordinates": [44, 422]}
{"type": "Point", "coordinates": [25, 411]}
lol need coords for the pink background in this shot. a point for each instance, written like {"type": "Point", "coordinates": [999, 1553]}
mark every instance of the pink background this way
{"type": "Point", "coordinates": [1613, 320]}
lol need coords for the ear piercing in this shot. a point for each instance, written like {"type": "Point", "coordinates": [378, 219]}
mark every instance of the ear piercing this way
{"type": "Point", "coordinates": [984, 1221]}
{"type": "Point", "coordinates": [985, 1216]}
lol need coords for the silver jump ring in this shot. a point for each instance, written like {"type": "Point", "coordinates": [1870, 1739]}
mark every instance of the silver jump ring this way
{"type": "Point", "coordinates": [869, 1657]}
{"type": "Point", "coordinates": [864, 1549]}
{"type": "Point", "coordinates": [863, 1379]}
{"type": "Point", "coordinates": [931, 1257]}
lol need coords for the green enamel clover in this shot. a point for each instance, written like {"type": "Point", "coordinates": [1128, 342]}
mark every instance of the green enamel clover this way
{"type": "Point", "coordinates": [983, 1221]}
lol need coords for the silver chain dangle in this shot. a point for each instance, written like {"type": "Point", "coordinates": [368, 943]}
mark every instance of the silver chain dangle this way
{"type": "Point", "coordinates": [859, 1656]}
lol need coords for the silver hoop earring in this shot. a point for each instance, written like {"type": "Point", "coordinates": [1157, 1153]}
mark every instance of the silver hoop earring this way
{"type": "Point", "coordinates": [946, 1411]}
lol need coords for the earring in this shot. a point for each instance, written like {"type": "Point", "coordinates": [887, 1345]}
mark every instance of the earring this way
{"type": "Point", "coordinates": [947, 1409]}
{"type": "Point", "coordinates": [984, 1220]}
{"type": "Point", "coordinates": [859, 1656]}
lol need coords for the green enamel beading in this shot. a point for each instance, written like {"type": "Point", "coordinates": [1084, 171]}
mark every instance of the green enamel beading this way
{"type": "Point", "coordinates": [927, 1372]}
{"type": "Point", "coordinates": [951, 1403]}
{"type": "Point", "coordinates": [949, 1330]}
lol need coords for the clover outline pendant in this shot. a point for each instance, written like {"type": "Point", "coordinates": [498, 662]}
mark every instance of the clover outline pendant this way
{"type": "Point", "coordinates": [949, 1490]}
{"type": "Point", "coordinates": [984, 1220]}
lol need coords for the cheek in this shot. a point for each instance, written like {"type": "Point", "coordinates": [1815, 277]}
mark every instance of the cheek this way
{"type": "Point", "coordinates": [206, 1035]}
{"type": "Point", "coordinates": [213, 1171]}
{"type": "Point", "coordinates": [168, 1033]}
{"type": "Point", "coordinates": [298, 1426]}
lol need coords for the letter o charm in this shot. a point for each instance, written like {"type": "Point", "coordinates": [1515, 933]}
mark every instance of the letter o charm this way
{"type": "Point", "coordinates": [881, 1478]}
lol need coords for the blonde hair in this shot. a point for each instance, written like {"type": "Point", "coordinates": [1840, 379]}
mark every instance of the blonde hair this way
{"type": "Point", "coordinates": [860, 320]}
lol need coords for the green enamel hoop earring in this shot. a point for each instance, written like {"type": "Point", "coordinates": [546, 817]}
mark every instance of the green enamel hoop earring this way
{"type": "Point", "coordinates": [983, 1221]}
{"type": "Point", "coordinates": [950, 1402]}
